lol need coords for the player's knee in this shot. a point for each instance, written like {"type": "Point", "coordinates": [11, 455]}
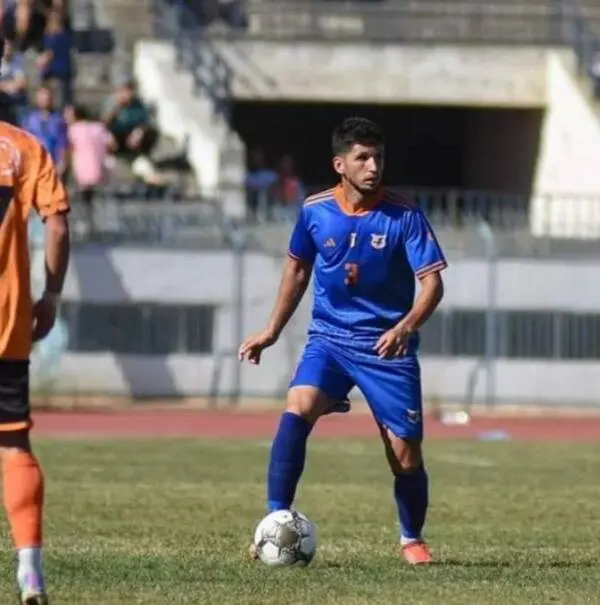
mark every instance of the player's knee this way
{"type": "Point", "coordinates": [406, 466]}
{"type": "Point", "coordinates": [405, 456]}
{"type": "Point", "coordinates": [308, 403]}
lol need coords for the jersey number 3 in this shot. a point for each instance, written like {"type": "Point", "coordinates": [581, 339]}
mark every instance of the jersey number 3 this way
{"type": "Point", "coordinates": [351, 274]}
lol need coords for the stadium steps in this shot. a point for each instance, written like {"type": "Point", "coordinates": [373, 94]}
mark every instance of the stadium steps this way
{"type": "Point", "coordinates": [186, 114]}
{"type": "Point", "coordinates": [93, 82]}
{"type": "Point", "coordinates": [93, 87]}
{"type": "Point", "coordinates": [131, 19]}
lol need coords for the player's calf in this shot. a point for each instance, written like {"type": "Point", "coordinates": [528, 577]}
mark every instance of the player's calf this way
{"type": "Point", "coordinates": [411, 493]}
{"type": "Point", "coordinates": [288, 451]}
{"type": "Point", "coordinates": [23, 482]}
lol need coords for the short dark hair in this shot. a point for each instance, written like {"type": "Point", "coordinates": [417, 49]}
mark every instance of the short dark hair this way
{"type": "Point", "coordinates": [81, 112]}
{"type": "Point", "coordinates": [354, 131]}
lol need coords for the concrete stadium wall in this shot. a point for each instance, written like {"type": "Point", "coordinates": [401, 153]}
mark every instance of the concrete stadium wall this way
{"type": "Point", "coordinates": [386, 73]}
{"type": "Point", "coordinates": [470, 76]}
{"type": "Point", "coordinates": [124, 274]}
{"type": "Point", "coordinates": [569, 156]}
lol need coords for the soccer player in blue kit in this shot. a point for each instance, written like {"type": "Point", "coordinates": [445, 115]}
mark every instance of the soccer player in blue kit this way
{"type": "Point", "coordinates": [367, 248]}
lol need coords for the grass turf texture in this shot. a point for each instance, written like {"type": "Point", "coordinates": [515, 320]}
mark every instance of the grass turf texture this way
{"type": "Point", "coordinates": [168, 522]}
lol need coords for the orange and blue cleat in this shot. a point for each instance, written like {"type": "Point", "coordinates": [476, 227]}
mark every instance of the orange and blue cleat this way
{"type": "Point", "coordinates": [416, 553]}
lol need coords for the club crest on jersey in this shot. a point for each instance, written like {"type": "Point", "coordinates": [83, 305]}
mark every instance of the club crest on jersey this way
{"type": "Point", "coordinates": [378, 241]}
{"type": "Point", "coordinates": [10, 157]}
{"type": "Point", "coordinates": [413, 416]}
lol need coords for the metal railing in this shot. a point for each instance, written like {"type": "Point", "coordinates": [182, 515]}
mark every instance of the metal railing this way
{"type": "Point", "coordinates": [540, 225]}
{"type": "Point", "coordinates": [441, 21]}
{"type": "Point", "coordinates": [211, 74]}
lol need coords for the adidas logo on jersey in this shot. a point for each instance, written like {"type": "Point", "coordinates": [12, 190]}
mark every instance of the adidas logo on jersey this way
{"type": "Point", "coordinates": [330, 243]}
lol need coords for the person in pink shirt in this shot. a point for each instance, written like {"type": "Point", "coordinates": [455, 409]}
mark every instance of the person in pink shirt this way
{"type": "Point", "coordinates": [90, 144]}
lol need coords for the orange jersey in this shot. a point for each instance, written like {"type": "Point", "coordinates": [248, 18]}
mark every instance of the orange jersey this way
{"type": "Point", "coordinates": [28, 180]}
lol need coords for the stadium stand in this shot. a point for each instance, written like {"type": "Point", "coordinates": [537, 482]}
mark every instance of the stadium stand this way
{"type": "Point", "coordinates": [544, 23]}
{"type": "Point", "coordinates": [106, 34]}
{"type": "Point", "coordinates": [102, 55]}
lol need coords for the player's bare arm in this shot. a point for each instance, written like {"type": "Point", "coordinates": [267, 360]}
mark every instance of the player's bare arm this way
{"type": "Point", "coordinates": [394, 342]}
{"type": "Point", "coordinates": [57, 238]}
{"type": "Point", "coordinates": [294, 282]}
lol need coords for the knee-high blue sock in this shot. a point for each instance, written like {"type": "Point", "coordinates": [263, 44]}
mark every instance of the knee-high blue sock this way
{"type": "Point", "coordinates": [288, 453]}
{"type": "Point", "coordinates": [411, 491]}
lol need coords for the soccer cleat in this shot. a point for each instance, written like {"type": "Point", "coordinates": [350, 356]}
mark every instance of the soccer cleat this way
{"type": "Point", "coordinates": [252, 551]}
{"type": "Point", "coordinates": [32, 590]}
{"type": "Point", "coordinates": [339, 407]}
{"type": "Point", "coordinates": [34, 598]}
{"type": "Point", "coordinates": [416, 553]}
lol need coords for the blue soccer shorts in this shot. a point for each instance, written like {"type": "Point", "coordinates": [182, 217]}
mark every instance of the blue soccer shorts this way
{"type": "Point", "coordinates": [392, 387]}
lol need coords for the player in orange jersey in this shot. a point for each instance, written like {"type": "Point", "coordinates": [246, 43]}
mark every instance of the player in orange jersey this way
{"type": "Point", "coordinates": [28, 181]}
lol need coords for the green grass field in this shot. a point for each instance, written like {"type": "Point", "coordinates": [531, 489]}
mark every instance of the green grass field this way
{"type": "Point", "coordinates": [168, 522]}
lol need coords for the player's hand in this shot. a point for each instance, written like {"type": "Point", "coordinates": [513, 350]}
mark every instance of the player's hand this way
{"type": "Point", "coordinates": [252, 348]}
{"type": "Point", "coordinates": [44, 316]}
{"type": "Point", "coordinates": [394, 343]}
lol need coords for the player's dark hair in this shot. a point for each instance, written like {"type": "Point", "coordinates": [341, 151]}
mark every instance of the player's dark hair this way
{"type": "Point", "coordinates": [353, 131]}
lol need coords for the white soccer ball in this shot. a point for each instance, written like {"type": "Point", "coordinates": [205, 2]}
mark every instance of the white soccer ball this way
{"type": "Point", "coordinates": [285, 537]}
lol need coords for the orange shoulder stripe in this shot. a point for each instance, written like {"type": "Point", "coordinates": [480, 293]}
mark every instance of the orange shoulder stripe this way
{"type": "Point", "coordinates": [322, 196]}
{"type": "Point", "coordinates": [398, 200]}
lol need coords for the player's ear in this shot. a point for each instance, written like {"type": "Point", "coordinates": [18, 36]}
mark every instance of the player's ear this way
{"type": "Point", "coordinates": [338, 164]}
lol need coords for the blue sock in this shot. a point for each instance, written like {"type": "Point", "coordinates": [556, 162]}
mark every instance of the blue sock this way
{"type": "Point", "coordinates": [411, 491]}
{"type": "Point", "coordinates": [288, 453]}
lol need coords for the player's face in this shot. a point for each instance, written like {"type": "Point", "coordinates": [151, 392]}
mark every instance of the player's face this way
{"type": "Point", "coordinates": [362, 166]}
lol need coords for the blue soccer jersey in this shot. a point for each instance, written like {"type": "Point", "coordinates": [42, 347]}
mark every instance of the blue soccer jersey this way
{"type": "Point", "coordinates": [365, 264]}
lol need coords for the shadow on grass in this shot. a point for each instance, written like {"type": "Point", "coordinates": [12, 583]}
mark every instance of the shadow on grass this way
{"type": "Point", "coordinates": [483, 563]}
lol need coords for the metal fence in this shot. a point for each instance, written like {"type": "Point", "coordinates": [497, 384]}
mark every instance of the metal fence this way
{"type": "Point", "coordinates": [539, 225]}
{"type": "Point", "coordinates": [414, 21]}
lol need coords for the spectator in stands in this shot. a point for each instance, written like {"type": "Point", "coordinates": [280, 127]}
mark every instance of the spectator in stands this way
{"type": "Point", "coordinates": [90, 144]}
{"type": "Point", "coordinates": [63, 7]}
{"type": "Point", "coordinates": [259, 183]}
{"type": "Point", "coordinates": [13, 84]}
{"type": "Point", "coordinates": [24, 21]}
{"type": "Point", "coordinates": [288, 190]}
{"type": "Point", "coordinates": [49, 127]}
{"type": "Point", "coordinates": [128, 120]}
{"type": "Point", "coordinates": [56, 61]}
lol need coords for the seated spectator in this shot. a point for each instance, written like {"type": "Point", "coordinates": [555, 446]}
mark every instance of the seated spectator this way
{"type": "Point", "coordinates": [49, 127]}
{"type": "Point", "coordinates": [56, 61]}
{"type": "Point", "coordinates": [128, 120]}
{"type": "Point", "coordinates": [13, 84]}
{"type": "Point", "coordinates": [259, 181]}
{"type": "Point", "coordinates": [90, 143]}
